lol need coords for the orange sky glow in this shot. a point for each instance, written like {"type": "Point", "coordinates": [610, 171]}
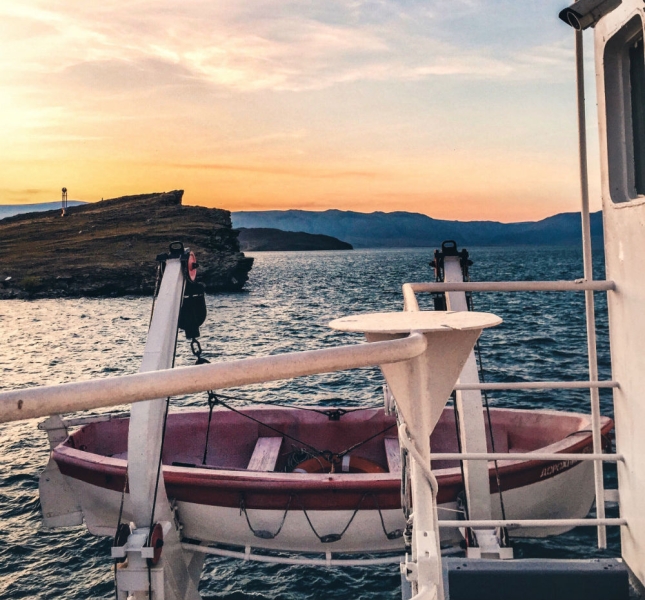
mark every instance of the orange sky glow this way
{"type": "Point", "coordinates": [459, 109]}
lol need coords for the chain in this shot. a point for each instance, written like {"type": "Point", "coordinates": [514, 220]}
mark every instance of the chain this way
{"type": "Point", "coordinates": [264, 534]}
{"type": "Point", "coordinates": [212, 401]}
{"type": "Point", "coordinates": [196, 349]}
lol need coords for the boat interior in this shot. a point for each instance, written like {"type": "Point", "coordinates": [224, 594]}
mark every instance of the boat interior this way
{"type": "Point", "coordinates": [236, 442]}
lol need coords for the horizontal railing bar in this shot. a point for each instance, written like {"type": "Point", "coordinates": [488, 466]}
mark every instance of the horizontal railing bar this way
{"type": "Point", "coordinates": [321, 562]}
{"type": "Point", "coordinates": [524, 456]}
{"type": "Point", "coordinates": [538, 385]}
{"type": "Point", "coordinates": [95, 419]}
{"type": "Point", "coordinates": [514, 286]}
{"type": "Point", "coordinates": [29, 403]}
{"type": "Point", "coordinates": [509, 524]}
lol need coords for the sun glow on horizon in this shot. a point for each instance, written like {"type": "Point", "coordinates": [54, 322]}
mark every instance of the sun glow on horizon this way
{"type": "Point", "coordinates": [458, 110]}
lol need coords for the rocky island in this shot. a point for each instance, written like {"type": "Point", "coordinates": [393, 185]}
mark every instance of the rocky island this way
{"type": "Point", "coordinates": [108, 248]}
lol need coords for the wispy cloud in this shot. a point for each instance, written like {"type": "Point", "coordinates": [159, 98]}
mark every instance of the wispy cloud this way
{"type": "Point", "coordinates": [247, 46]}
{"type": "Point", "coordinates": [348, 99]}
{"type": "Point", "coordinates": [275, 170]}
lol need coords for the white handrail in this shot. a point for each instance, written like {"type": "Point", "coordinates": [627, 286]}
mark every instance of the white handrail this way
{"type": "Point", "coordinates": [588, 285]}
{"type": "Point", "coordinates": [30, 403]}
{"type": "Point", "coordinates": [521, 523]}
{"type": "Point", "coordinates": [284, 560]}
{"type": "Point", "coordinates": [579, 285]}
{"type": "Point", "coordinates": [538, 385]}
{"type": "Point", "coordinates": [525, 456]}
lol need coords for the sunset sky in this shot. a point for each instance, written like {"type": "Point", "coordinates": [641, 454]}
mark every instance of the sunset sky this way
{"type": "Point", "coordinates": [459, 109]}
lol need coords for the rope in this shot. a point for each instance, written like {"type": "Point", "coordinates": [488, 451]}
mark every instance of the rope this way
{"type": "Point", "coordinates": [212, 401]}
{"type": "Point", "coordinates": [155, 293]}
{"type": "Point", "coordinates": [359, 444]}
{"type": "Point", "coordinates": [116, 533]}
{"type": "Point", "coordinates": [294, 439]}
{"type": "Point", "coordinates": [263, 533]}
{"type": "Point", "coordinates": [395, 534]}
{"type": "Point", "coordinates": [490, 429]}
{"type": "Point", "coordinates": [325, 539]}
{"type": "Point", "coordinates": [333, 414]}
{"type": "Point", "coordinates": [332, 537]}
{"type": "Point", "coordinates": [331, 457]}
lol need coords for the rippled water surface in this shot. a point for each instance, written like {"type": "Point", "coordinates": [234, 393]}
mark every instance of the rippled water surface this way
{"type": "Point", "coordinates": [290, 299]}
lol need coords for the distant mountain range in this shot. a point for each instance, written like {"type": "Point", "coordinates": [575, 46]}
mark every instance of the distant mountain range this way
{"type": "Point", "coordinates": [404, 229]}
{"type": "Point", "coordinates": [396, 229]}
{"type": "Point", "coordinates": [9, 210]}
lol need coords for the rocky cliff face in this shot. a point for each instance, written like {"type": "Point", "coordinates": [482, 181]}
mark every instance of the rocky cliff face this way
{"type": "Point", "coordinates": [108, 248]}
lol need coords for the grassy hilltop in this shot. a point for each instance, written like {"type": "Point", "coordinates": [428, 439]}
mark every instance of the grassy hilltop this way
{"type": "Point", "coordinates": [108, 248]}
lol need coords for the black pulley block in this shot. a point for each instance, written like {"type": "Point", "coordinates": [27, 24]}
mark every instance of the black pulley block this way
{"type": "Point", "coordinates": [193, 310]}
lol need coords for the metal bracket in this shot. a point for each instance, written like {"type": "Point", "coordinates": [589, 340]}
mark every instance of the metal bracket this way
{"type": "Point", "coordinates": [489, 545]}
{"type": "Point", "coordinates": [135, 574]}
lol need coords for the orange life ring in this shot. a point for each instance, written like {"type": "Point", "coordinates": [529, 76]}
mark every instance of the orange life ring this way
{"type": "Point", "coordinates": [349, 464]}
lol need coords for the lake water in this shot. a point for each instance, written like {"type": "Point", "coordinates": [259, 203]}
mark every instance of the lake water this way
{"type": "Point", "coordinates": [289, 300]}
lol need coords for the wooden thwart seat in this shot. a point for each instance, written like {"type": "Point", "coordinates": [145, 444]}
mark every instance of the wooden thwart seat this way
{"type": "Point", "coordinates": [265, 454]}
{"type": "Point", "coordinates": [393, 454]}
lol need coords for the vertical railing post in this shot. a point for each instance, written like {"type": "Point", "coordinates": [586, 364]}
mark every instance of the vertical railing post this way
{"type": "Point", "coordinates": [589, 298]}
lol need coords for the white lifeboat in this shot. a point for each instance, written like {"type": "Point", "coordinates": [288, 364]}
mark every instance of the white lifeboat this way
{"type": "Point", "coordinates": [253, 485]}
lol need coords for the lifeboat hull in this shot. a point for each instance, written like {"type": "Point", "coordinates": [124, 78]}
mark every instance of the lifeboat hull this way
{"type": "Point", "coordinates": [338, 512]}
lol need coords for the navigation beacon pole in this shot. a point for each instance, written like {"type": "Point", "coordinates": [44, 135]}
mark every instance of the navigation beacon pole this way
{"type": "Point", "coordinates": [64, 202]}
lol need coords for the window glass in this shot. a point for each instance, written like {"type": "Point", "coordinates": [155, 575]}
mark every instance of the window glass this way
{"type": "Point", "coordinates": [637, 85]}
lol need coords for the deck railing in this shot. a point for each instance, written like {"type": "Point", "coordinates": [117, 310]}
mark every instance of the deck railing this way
{"type": "Point", "coordinates": [17, 405]}
{"type": "Point", "coordinates": [65, 398]}
{"type": "Point", "coordinates": [587, 285]}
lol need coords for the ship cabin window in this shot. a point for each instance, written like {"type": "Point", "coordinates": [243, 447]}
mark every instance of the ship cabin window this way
{"type": "Point", "coordinates": [624, 62]}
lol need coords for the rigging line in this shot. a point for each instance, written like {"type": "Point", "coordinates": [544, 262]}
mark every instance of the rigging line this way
{"type": "Point", "coordinates": [116, 533]}
{"type": "Point", "coordinates": [459, 447]}
{"type": "Point", "coordinates": [155, 293]}
{"type": "Point", "coordinates": [332, 537]}
{"type": "Point", "coordinates": [341, 454]}
{"type": "Point", "coordinates": [482, 375]}
{"type": "Point", "coordinates": [295, 406]}
{"type": "Point", "coordinates": [318, 452]}
{"type": "Point", "coordinates": [212, 401]}
{"type": "Point", "coordinates": [395, 534]}
{"type": "Point", "coordinates": [271, 428]}
{"type": "Point", "coordinates": [263, 533]}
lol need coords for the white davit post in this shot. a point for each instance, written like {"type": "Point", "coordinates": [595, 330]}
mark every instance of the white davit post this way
{"type": "Point", "coordinates": [176, 576]}
{"type": "Point", "coordinates": [472, 433]}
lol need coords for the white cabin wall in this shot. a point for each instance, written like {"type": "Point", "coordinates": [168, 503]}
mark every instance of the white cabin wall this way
{"type": "Point", "coordinates": [624, 230]}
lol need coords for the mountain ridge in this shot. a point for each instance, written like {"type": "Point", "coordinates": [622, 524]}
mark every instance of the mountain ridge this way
{"type": "Point", "coordinates": [402, 229]}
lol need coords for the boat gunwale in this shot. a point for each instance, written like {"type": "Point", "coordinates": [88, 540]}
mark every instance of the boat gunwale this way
{"type": "Point", "coordinates": [109, 472]}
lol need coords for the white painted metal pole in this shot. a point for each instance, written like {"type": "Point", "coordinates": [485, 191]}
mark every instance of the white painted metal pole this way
{"type": "Point", "coordinates": [539, 385]}
{"type": "Point", "coordinates": [145, 435]}
{"type": "Point", "coordinates": [17, 405]}
{"type": "Point", "coordinates": [534, 523]}
{"type": "Point", "coordinates": [470, 411]}
{"type": "Point", "coordinates": [288, 560]}
{"type": "Point", "coordinates": [506, 286]}
{"type": "Point", "coordinates": [147, 418]}
{"type": "Point", "coordinates": [589, 299]}
{"type": "Point", "coordinates": [409, 298]}
{"type": "Point", "coordinates": [525, 456]}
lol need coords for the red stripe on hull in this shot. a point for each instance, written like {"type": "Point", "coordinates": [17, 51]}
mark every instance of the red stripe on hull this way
{"type": "Point", "coordinates": [268, 491]}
